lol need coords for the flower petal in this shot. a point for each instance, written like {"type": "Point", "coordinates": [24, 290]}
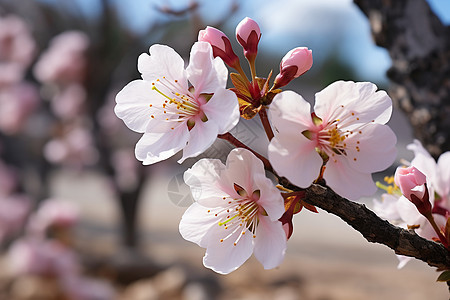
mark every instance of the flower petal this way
{"type": "Point", "coordinates": [155, 147]}
{"type": "Point", "coordinates": [270, 243]}
{"type": "Point", "coordinates": [348, 182]}
{"type": "Point", "coordinates": [204, 180]}
{"type": "Point", "coordinates": [290, 106]}
{"type": "Point", "coordinates": [205, 73]}
{"type": "Point", "coordinates": [294, 156]}
{"type": "Point", "coordinates": [442, 185]}
{"type": "Point", "coordinates": [360, 97]}
{"type": "Point", "coordinates": [372, 149]}
{"type": "Point", "coordinates": [195, 223]}
{"type": "Point", "coordinates": [242, 166]}
{"type": "Point", "coordinates": [387, 207]}
{"type": "Point", "coordinates": [133, 104]}
{"type": "Point", "coordinates": [224, 257]}
{"type": "Point", "coordinates": [270, 197]}
{"type": "Point", "coordinates": [223, 109]}
{"type": "Point", "coordinates": [201, 137]}
{"type": "Point", "coordinates": [163, 61]}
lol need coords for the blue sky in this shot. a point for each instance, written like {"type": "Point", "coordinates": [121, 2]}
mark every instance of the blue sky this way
{"type": "Point", "coordinates": [286, 24]}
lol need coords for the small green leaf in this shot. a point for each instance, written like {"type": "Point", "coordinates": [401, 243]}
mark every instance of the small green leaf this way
{"type": "Point", "coordinates": [445, 276]}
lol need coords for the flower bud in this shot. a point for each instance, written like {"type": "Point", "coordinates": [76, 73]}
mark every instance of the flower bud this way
{"type": "Point", "coordinates": [295, 63]}
{"type": "Point", "coordinates": [248, 35]}
{"type": "Point", "coordinates": [412, 183]}
{"type": "Point", "coordinates": [220, 44]}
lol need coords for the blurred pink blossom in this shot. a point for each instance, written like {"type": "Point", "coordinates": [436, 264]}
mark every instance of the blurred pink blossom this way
{"type": "Point", "coordinates": [8, 180]}
{"type": "Point", "coordinates": [75, 148]}
{"type": "Point", "coordinates": [85, 288]}
{"type": "Point", "coordinates": [17, 102]}
{"type": "Point", "coordinates": [65, 59]}
{"type": "Point", "coordinates": [34, 256]}
{"type": "Point", "coordinates": [68, 103]}
{"type": "Point", "coordinates": [126, 169]}
{"type": "Point", "coordinates": [53, 212]}
{"type": "Point", "coordinates": [13, 212]}
{"type": "Point", "coordinates": [17, 48]}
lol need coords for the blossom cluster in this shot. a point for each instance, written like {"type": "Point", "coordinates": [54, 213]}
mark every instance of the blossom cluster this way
{"type": "Point", "coordinates": [417, 197]}
{"type": "Point", "coordinates": [238, 210]}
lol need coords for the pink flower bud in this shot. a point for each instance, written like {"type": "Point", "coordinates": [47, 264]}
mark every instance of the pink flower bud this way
{"type": "Point", "coordinates": [412, 183]}
{"type": "Point", "coordinates": [248, 35]}
{"type": "Point", "coordinates": [220, 43]}
{"type": "Point", "coordinates": [295, 63]}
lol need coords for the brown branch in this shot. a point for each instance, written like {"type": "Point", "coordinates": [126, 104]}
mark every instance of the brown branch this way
{"type": "Point", "coordinates": [376, 230]}
{"type": "Point", "coordinates": [419, 46]}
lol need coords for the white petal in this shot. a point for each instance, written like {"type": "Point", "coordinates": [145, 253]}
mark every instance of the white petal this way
{"type": "Point", "coordinates": [205, 73]}
{"type": "Point", "coordinates": [443, 177]}
{"type": "Point", "coordinates": [348, 182]}
{"type": "Point", "coordinates": [408, 212]}
{"type": "Point", "coordinates": [133, 104]}
{"type": "Point", "coordinates": [270, 243]}
{"type": "Point", "coordinates": [163, 61]}
{"type": "Point", "coordinates": [417, 148]}
{"type": "Point", "coordinates": [204, 179]}
{"type": "Point", "coordinates": [373, 149]}
{"type": "Point", "coordinates": [270, 197]}
{"type": "Point", "coordinates": [242, 166]}
{"type": "Point", "coordinates": [155, 147]}
{"type": "Point", "coordinates": [223, 109]}
{"type": "Point", "coordinates": [294, 156]}
{"type": "Point", "coordinates": [387, 207]}
{"type": "Point", "coordinates": [195, 223]}
{"type": "Point", "coordinates": [201, 137]}
{"type": "Point", "coordinates": [343, 97]}
{"type": "Point", "coordinates": [224, 257]}
{"type": "Point", "coordinates": [290, 106]}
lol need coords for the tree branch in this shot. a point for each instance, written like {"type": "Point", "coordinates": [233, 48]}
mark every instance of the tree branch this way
{"type": "Point", "coordinates": [376, 230]}
{"type": "Point", "coordinates": [419, 46]}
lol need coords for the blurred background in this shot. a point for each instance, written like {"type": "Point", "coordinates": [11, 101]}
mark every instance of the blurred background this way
{"type": "Point", "coordinates": [81, 218]}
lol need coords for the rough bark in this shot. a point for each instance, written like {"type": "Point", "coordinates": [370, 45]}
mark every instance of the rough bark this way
{"type": "Point", "coordinates": [419, 46]}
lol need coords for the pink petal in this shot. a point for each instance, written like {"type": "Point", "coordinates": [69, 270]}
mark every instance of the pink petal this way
{"type": "Point", "coordinates": [242, 166]}
{"type": "Point", "coordinates": [376, 148]}
{"type": "Point", "coordinates": [290, 106]}
{"type": "Point", "coordinates": [133, 104]}
{"type": "Point", "coordinates": [294, 157]}
{"type": "Point", "coordinates": [204, 180]}
{"type": "Point", "coordinates": [163, 61]}
{"type": "Point", "coordinates": [270, 243]}
{"type": "Point", "coordinates": [224, 257]}
{"type": "Point", "coordinates": [205, 73]}
{"type": "Point", "coordinates": [270, 197]}
{"type": "Point", "coordinates": [223, 109]}
{"type": "Point", "coordinates": [154, 147]}
{"type": "Point", "coordinates": [360, 97]}
{"type": "Point", "coordinates": [348, 182]}
{"type": "Point", "coordinates": [201, 137]}
{"type": "Point", "coordinates": [195, 223]}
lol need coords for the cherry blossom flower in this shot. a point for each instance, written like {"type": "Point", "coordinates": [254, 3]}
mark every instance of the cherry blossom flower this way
{"type": "Point", "coordinates": [398, 210]}
{"type": "Point", "coordinates": [53, 213]}
{"type": "Point", "coordinates": [13, 212]}
{"type": "Point", "coordinates": [171, 114]}
{"type": "Point", "coordinates": [437, 173]}
{"type": "Point", "coordinates": [65, 59]}
{"type": "Point", "coordinates": [17, 49]}
{"type": "Point", "coordinates": [346, 132]}
{"type": "Point", "coordinates": [235, 214]}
